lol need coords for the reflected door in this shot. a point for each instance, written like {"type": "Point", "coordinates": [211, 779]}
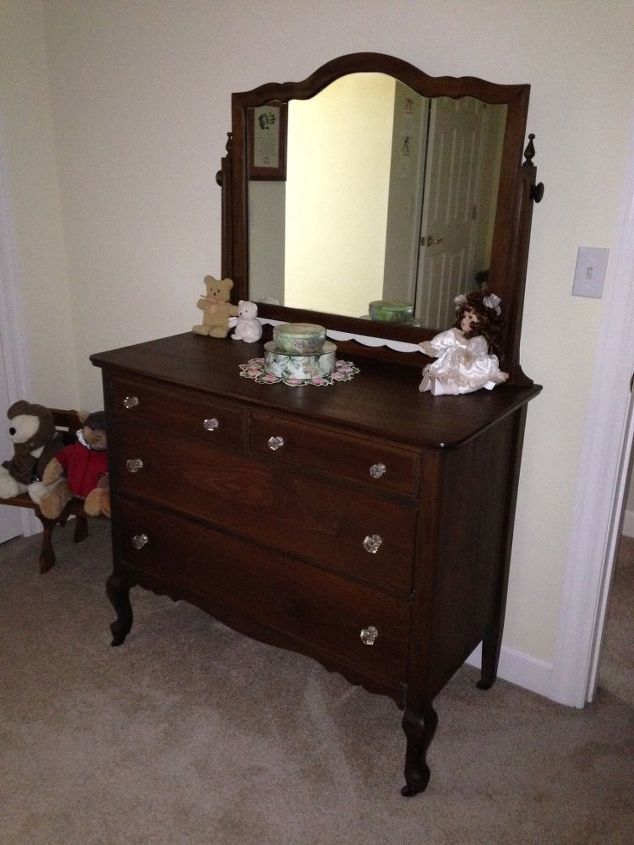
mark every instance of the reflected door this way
{"type": "Point", "coordinates": [453, 233]}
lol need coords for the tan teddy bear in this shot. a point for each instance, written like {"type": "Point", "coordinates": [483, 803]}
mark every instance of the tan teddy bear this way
{"type": "Point", "coordinates": [216, 308]}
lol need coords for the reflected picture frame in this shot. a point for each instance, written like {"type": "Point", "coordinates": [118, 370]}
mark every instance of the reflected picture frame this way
{"type": "Point", "coordinates": [266, 142]}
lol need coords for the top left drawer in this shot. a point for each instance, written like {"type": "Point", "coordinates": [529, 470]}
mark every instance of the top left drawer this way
{"type": "Point", "coordinates": [190, 412]}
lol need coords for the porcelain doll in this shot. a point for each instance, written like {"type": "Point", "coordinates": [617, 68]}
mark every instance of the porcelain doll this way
{"type": "Point", "coordinates": [466, 355]}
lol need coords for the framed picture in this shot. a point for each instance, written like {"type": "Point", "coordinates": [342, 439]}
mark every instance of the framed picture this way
{"type": "Point", "coordinates": [267, 141]}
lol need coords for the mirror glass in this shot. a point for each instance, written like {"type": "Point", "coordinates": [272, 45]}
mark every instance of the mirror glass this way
{"type": "Point", "coordinates": [371, 193]}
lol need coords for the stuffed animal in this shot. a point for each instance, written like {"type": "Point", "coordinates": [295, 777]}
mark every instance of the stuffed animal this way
{"type": "Point", "coordinates": [247, 326]}
{"type": "Point", "coordinates": [98, 500]}
{"type": "Point", "coordinates": [77, 470]}
{"type": "Point", "coordinates": [35, 442]}
{"type": "Point", "coordinates": [216, 308]}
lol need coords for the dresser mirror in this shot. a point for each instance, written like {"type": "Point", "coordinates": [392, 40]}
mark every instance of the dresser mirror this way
{"type": "Point", "coordinates": [372, 181]}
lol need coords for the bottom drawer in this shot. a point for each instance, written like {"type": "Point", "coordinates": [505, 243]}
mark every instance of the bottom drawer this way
{"type": "Point", "coordinates": [324, 611]}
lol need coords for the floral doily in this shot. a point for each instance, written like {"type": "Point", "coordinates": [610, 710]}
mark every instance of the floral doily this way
{"type": "Point", "coordinates": [254, 369]}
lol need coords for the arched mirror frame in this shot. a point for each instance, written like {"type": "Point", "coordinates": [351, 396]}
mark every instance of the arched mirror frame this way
{"type": "Point", "coordinates": [517, 191]}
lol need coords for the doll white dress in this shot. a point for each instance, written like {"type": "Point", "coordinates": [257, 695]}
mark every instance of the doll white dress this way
{"type": "Point", "coordinates": [461, 365]}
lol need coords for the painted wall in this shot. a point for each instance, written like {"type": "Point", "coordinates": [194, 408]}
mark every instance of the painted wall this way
{"type": "Point", "coordinates": [30, 199]}
{"type": "Point", "coordinates": [140, 96]}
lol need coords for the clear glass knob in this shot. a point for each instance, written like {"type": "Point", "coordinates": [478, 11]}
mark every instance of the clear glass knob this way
{"type": "Point", "coordinates": [139, 540]}
{"type": "Point", "coordinates": [378, 470]}
{"type": "Point", "coordinates": [131, 401]}
{"type": "Point", "coordinates": [369, 635]}
{"type": "Point", "coordinates": [211, 424]}
{"type": "Point", "coordinates": [134, 464]}
{"type": "Point", "coordinates": [372, 543]}
{"type": "Point", "coordinates": [276, 442]}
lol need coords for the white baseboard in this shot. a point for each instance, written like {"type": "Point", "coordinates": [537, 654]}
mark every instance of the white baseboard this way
{"type": "Point", "coordinates": [520, 669]}
{"type": "Point", "coordinates": [628, 524]}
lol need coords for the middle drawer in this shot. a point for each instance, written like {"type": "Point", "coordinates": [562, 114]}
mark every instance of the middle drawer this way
{"type": "Point", "coordinates": [354, 531]}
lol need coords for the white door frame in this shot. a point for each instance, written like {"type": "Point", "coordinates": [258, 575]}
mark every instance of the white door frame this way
{"type": "Point", "coordinates": [600, 490]}
{"type": "Point", "coordinates": [12, 336]}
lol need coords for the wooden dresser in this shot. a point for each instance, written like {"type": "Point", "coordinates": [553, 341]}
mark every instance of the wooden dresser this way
{"type": "Point", "coordinates": [364, 524]}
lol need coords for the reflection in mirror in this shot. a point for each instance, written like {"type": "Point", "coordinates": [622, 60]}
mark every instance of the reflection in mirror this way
{"type": "Point", "coordinates": [389, 196]}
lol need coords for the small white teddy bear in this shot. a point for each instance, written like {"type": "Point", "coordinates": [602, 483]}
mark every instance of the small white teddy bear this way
{"type": "Point", "coordinates": [247, 326]}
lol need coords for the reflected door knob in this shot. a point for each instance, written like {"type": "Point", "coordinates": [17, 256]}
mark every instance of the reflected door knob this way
{"type": "Point", "coordinates": [130, 401]}
{"type": "Point", "coordinates": [276, 442]}
{"type": "Point", "coordinates": [211, 424]}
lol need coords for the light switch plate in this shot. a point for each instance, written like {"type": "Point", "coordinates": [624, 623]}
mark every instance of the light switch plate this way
{"type": "Point", "coordinates": [592, 263]}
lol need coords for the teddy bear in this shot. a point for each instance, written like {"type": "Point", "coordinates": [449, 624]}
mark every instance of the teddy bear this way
{"type": "Point", "coordinates": [247, 326]}
{"type": "Point", "coordinates": [78, 471]}
{"type": "Point", "coordinates": [35, 443]}
{"type": "Point", "coordinates": [216, 308]}
{"type": "Point", "coordinates": [97, 502]}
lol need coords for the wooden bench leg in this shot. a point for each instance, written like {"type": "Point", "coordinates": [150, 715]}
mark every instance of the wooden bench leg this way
{"type": "Point", "coordinates": [81, 528]}
{"type": "Point", "coordinates": [47, 554]}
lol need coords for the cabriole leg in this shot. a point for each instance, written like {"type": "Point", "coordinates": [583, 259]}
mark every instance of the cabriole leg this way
{"type": "Point", "coordinates": [118, 589]}
{"type": "Point", "coordinates": [419, 731]}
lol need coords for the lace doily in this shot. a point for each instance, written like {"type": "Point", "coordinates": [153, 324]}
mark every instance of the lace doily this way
{"type": "Point", "coordinates": [254, 369]}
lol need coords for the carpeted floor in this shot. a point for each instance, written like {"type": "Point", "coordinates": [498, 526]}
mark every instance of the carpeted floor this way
{"type": "Point", "coordinates": [190, 734]}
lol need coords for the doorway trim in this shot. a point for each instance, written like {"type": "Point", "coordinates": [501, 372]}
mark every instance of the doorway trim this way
{"type": "Point", "coordinates": [600, 489]}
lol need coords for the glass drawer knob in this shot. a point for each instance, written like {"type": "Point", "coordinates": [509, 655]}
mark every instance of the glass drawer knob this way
{"type": "Point", "coordinates": [211, 424]}
{"type": "Point", "coordinates": [378, 470]}
{"type": "Point", "coordinates": [139, 540]}
{"type": "Point", "coordinates": [372, 543]}
{"type": "Point", "coordinates": [130, 401]}
{"type": "Point", "coordinates": [369, 635]}
{"type": "Point", "coordinates": [276, 442]}
{"type": "Point", "coordinates": [134, 464]}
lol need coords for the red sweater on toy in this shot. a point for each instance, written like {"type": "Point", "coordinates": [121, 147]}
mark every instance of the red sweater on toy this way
{"type": "Point", "coordinates": [83, 467]}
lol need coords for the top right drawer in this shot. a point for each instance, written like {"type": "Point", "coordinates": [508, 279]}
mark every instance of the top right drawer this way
{"type": "Point", "coordinates": [368, 460]}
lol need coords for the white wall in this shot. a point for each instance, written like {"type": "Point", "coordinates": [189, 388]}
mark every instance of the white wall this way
{"type": "Point", "coordinates": [140, 93]}
{"type": "Point", "coordinates": [31, 200]}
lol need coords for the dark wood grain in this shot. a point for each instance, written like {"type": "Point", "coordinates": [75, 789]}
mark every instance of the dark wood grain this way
{"type": "Point", "coordinates": [383, 400]}
{"type": "Point", "coordinates": [272, 542]}
{"type": "Point", "coordinates": [276, 591]}
{"type": "Point", "coordinates": [315, 518]}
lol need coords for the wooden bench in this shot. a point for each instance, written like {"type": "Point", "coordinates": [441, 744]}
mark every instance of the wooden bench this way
{"type": "Point", "coordinates": [66, 422]}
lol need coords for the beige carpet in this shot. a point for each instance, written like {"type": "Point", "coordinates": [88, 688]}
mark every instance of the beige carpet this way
{"type": "Point", "coordinates": [190, 734]}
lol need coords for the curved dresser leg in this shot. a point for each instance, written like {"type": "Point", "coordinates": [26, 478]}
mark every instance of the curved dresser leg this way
{"type": "Point", "coordinates": [419, 731]}
{"type": "Point", "coordinates": [118, 590]}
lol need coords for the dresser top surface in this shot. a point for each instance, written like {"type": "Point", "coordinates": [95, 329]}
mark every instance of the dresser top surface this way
{"type": "Point", "coordinates": [383, 398]}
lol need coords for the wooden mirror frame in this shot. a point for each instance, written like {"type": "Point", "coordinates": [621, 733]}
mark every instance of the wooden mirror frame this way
{"type": "Point", "coordinates": [517, 191]}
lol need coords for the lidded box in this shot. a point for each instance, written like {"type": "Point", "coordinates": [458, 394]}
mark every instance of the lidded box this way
{"type": "Point", "coordinates": [299, 338]}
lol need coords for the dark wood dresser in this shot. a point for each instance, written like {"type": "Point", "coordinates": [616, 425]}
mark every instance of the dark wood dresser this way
{"type": "Point", "coordinates": [364, 524]}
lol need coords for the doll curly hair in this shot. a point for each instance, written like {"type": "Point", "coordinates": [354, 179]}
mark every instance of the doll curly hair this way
{"type": "Point", "coordinates": [486, 308]}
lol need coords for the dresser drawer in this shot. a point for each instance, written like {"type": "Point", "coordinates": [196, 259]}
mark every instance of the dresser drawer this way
{"type": "Point", "coordinates": [363, 459]}
{"type": "Point", "coordinates": [368, 535]}
{"type": "Point", "coordinates": [322, 611]}
{"type": "Point", "coordinates": [187, 411]}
